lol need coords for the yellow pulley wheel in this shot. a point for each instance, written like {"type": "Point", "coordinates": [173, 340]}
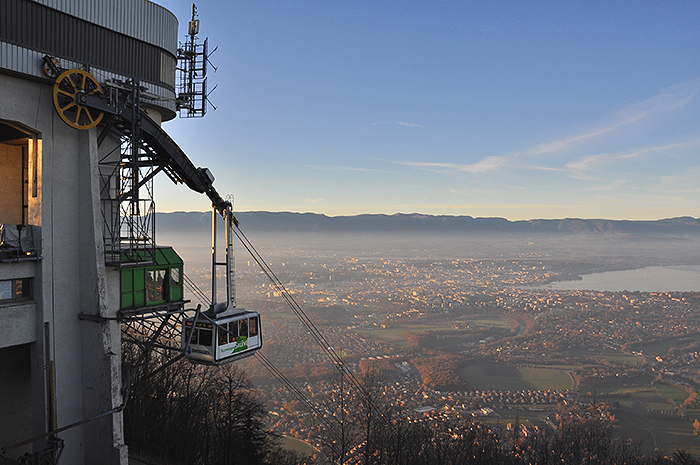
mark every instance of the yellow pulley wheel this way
{"type": "Point", "coordinates": [67, 89]}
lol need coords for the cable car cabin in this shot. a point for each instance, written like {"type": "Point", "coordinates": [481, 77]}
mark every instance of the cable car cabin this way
{"type": "Point", "coordinates": [154, 280]}
{"type": "Point", "coordinates": [224, 339]}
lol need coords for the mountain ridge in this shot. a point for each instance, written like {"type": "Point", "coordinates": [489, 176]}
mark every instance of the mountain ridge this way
{"type": "Point", "coordinates": [291, 222]}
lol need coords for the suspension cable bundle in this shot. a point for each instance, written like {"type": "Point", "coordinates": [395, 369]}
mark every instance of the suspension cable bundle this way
{"type": "Point", "coordinates": [297, 393]}
{"type": "Point", "coordinates": [276, 372]}
{"type": "Point", "coordinates": [320, 339]}
{"type": "Point", "coordinates": [194, 289]}
{"type": "Point", "coordinates": [304, 318]}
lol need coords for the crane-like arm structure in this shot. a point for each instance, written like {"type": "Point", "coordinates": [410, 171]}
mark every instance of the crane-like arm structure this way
{"type": "Point", "coordinates": [176, 162]}
{"type": "Point", "coordinates": [82, 103]}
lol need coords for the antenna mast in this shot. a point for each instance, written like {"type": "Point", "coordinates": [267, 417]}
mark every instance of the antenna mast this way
{"type": "Point", "coordinates": [192, 60]}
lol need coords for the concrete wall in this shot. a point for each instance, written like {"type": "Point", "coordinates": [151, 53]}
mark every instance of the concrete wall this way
{"type": "Point", "coordinates": [19, 324]}
{"type": "Point", "coordinates": [76, 362]}
{"type": "Point", "coordinates": [70, 279]}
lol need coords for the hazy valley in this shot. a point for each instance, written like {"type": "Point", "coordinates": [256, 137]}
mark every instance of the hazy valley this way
{"type": "Point", "coordinates": [460, 324]}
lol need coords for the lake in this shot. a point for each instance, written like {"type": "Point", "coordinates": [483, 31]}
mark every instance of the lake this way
{"type": "Point", "coordinates": [650, 279]}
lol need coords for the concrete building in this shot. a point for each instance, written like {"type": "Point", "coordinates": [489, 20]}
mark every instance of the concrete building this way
{"type": "Point", "coordinates": [56, 369]}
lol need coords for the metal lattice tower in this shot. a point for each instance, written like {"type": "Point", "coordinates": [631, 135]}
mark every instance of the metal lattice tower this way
{"type": "Point", "coordinates": [128, 204]}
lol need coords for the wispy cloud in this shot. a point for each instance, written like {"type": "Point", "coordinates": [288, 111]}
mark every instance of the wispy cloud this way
{"type": "Point", "coordinates": [585, 166]}
{"type": "Point", "coordinates": [482, 166]}
{"type": "Point", "coordinates": [592, 162]}
{"type": "Point", "coordinates": [491, 191]}
{"type": "Point", "coordinates": [343, 168]}
{"type": "Point", "coordinates": [546, 168]}
{"type": "Point", "coordinates": [668, 100]}
{"type": "Point", "coordinates": [400, 123]}
{"type": "Point", "coordinates": [581, 167]}
{"type": "Point", "coordinates": [616, 186]}
{"type": "Point", "coordinates": [610, 160]}
{"type": "Point", "coordinates": [685, 182]}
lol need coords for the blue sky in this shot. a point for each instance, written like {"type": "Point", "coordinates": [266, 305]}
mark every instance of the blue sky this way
{"type": "Point", "coordinates": [513, 109]}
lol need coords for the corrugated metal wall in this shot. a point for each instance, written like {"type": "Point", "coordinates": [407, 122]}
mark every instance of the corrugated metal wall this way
{"type": "Point", "coordinates": [34, 26]}
{"type": "Point", "coordinates": [25, 61]}
{"type": "Point", "coordinates": [20, 59]}
{"type": "Point", "coordinates": [141, 19]}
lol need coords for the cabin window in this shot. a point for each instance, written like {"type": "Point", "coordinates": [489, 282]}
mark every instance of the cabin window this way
{"type": "Point", "coordinates": [155, 285]}
{"type": "Point", "coordinates": [233, 331]}
{"type": "Point", "coordinates": [253, 326]}
{"type": "Point", "coordinates": [188, 328]}
{"type": "Point", "coordinates": [205, 337]}
{"type": "Point", "coordinates": [14, 289]}
{"type": "Point", "coordinates": [175, 284]}
{"type": "Point", "coordinates": [175, 277]}
{"type": "Point", "coordinates": [223, 334]}
{"type": "Point", "coordinates": [244, 327]}
{"type": "Point", "coordinates": [202, 334]}
{"type": "Point", "coordinates": [6, 290]}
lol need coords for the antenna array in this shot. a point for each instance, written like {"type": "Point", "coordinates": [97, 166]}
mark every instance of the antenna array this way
{"type": "Point", "coordinates": [192, 61]}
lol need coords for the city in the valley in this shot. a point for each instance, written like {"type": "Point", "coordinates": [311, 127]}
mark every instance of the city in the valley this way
{"type": "Point", "coordinates": [481, 337]}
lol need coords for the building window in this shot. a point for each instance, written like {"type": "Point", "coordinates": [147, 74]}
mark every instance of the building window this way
{"type": "Point", "coordinates": [15, 289]}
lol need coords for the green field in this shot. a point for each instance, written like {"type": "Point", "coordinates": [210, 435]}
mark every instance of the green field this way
{"type": "Point", "coordinates": [646, 399]}
{"type": "Point", "coordinates": [605, 355]}
{"type": "Point", "coordinates": [677, 396]}
{"type": "Point", "coordinates": [524, 417]}
{"type": "Point", "coordinates": [641, 390]}
{"type": "Point", "coordinates": [489, 320]}
{"type": "Point", "coordinates": [298, 446]}
{"type": "Point", "coordinates": [615, 385]}
{"type": "Point", "coordinates": [634, 419]}
{"type": "Point", "coordinates": [546, 378]}
{"type": "Point", "coordinates": [661, 347]}
{"type": "Point", "coordinates": [393, 333]}
{"type": "Point", "coordinates": [666, 434]}
{"type": "Point", "coordinates": [486, 376]}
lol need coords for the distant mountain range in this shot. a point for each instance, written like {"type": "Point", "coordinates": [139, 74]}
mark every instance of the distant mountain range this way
{"type": "Point", "coordinates": [197, 222]}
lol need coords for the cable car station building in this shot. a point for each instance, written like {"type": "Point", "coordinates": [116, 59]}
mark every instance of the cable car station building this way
{"type": "Point", "coordinates": [76, 233]}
